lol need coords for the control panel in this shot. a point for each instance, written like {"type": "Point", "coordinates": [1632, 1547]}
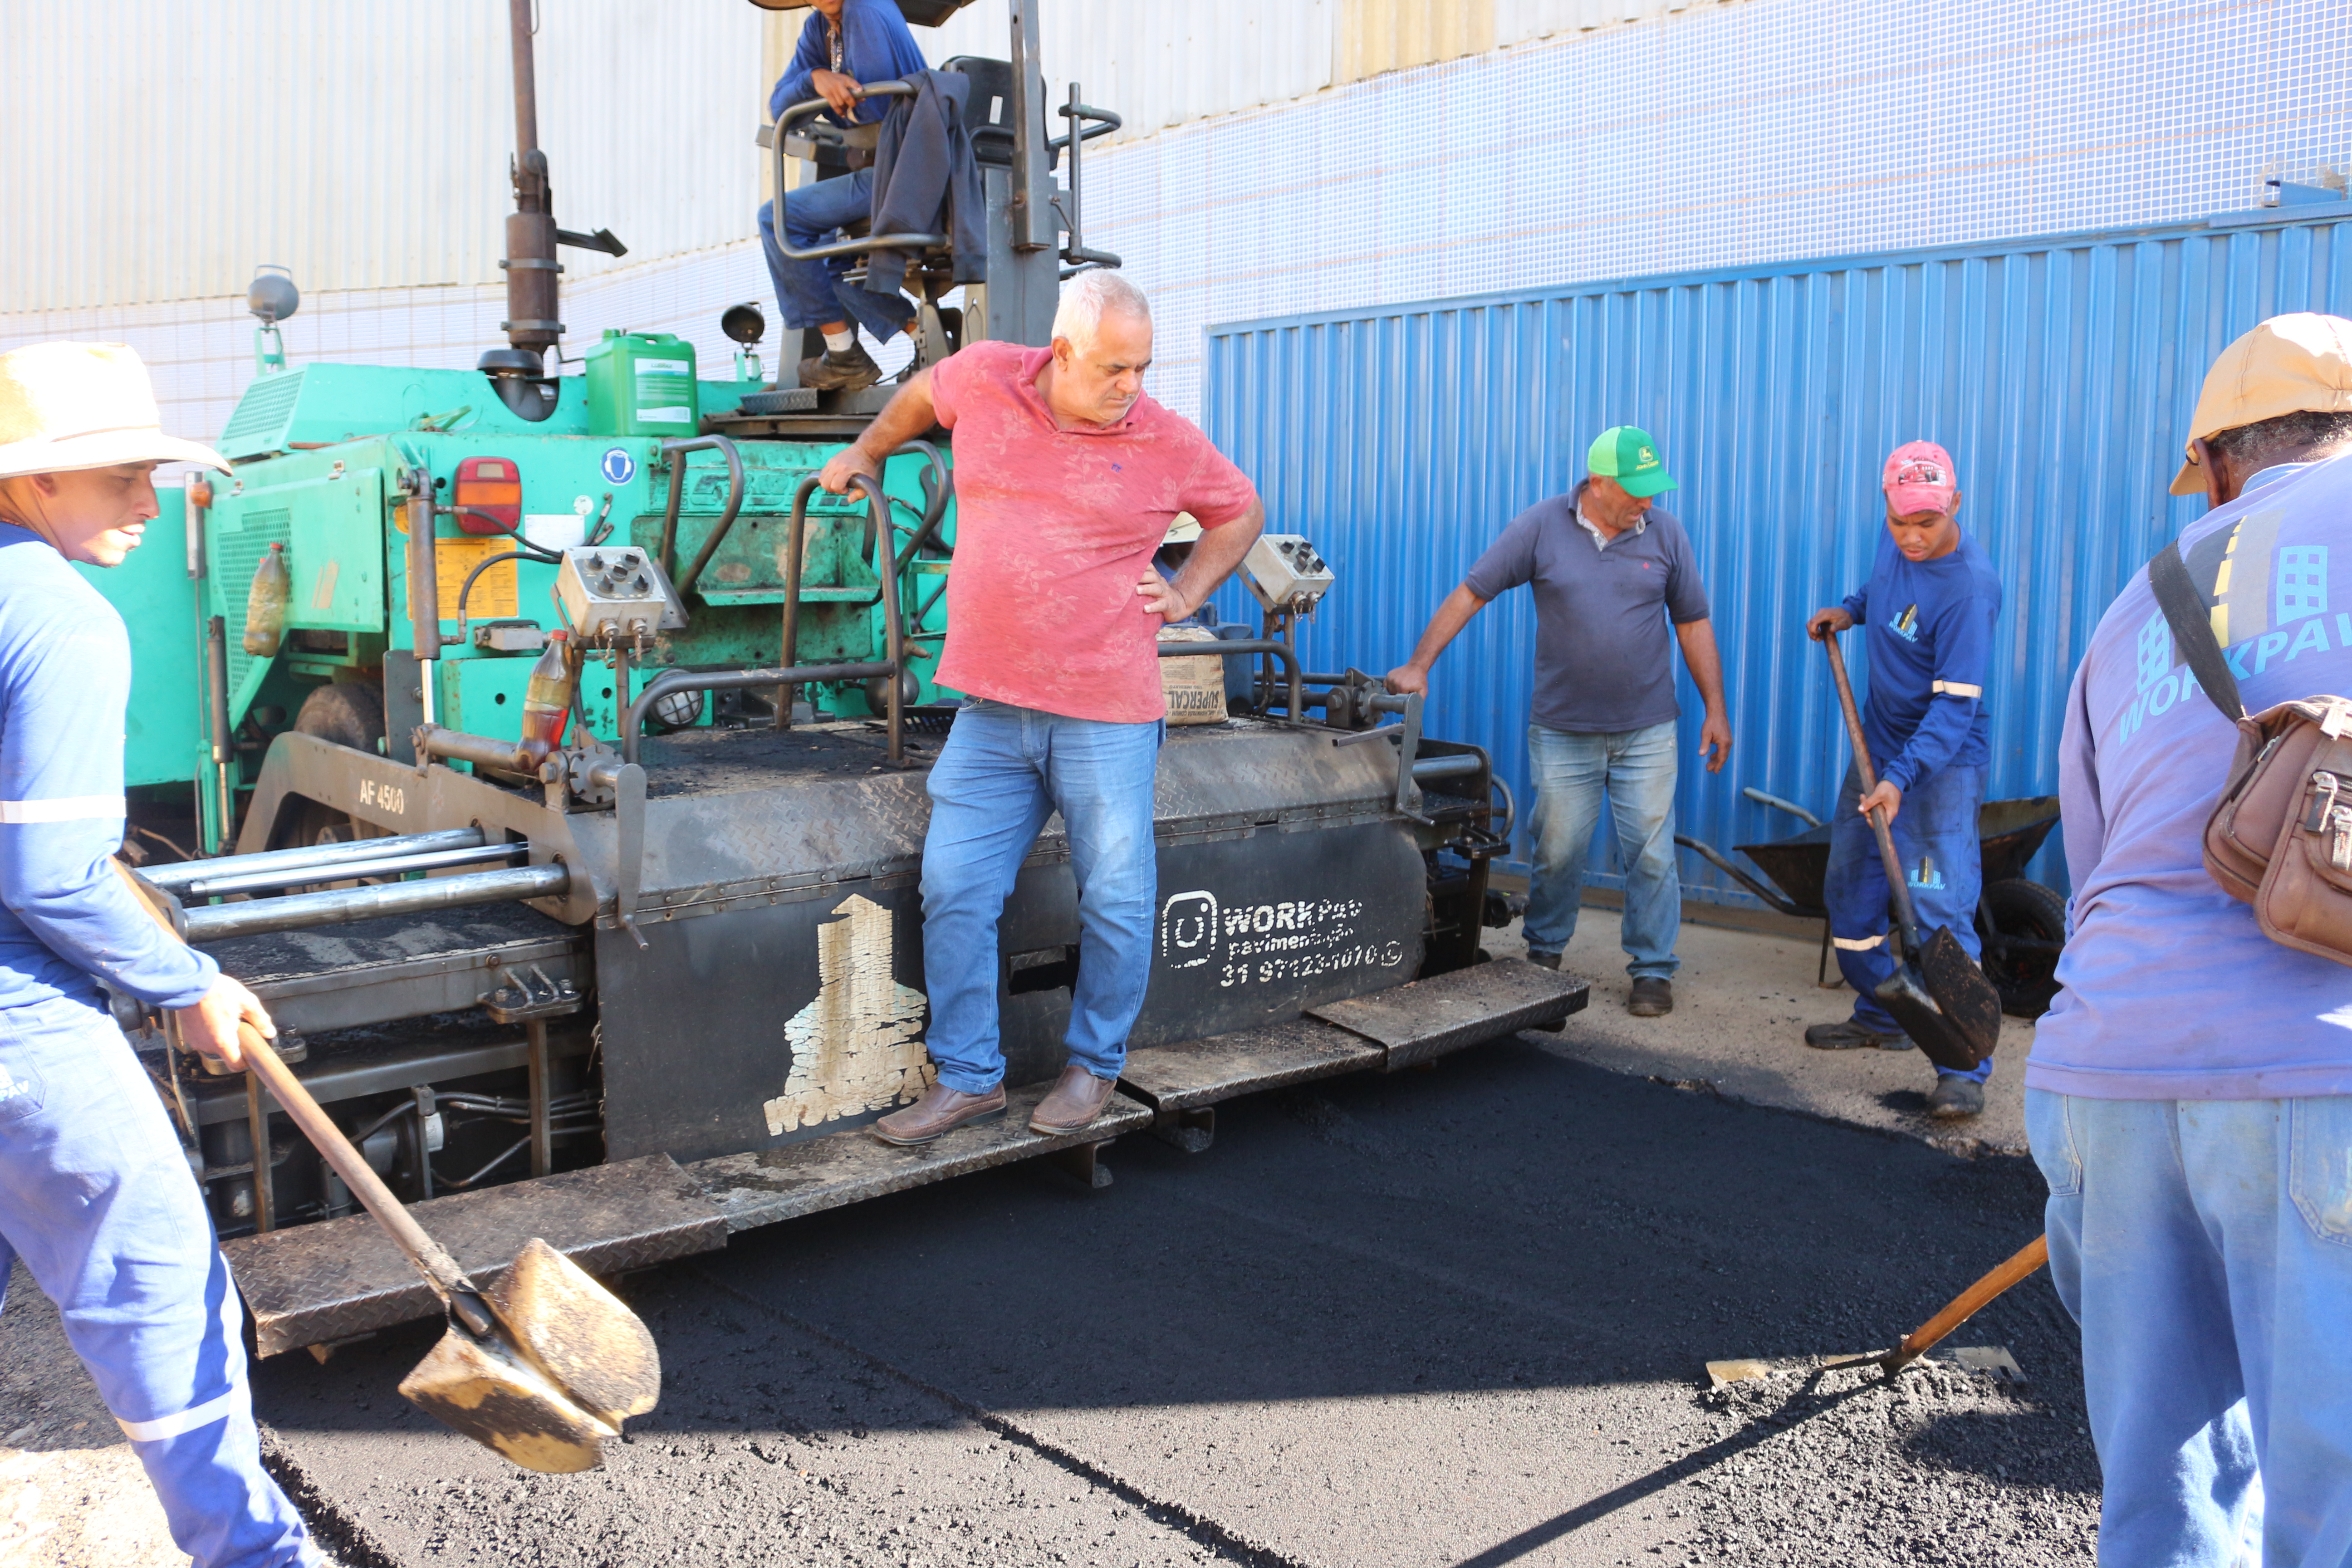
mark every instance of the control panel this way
{"type": "Point", "coordinates": [1285, 572]}
{"type": "Point", "coordinates": [615, 595]}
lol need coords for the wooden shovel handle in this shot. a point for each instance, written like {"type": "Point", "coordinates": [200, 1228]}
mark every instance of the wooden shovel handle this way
{"type": "Point", "coordinates": [1897, 884]}
{"type": "Point", "coordinates": [440, 1269]}
{"type": "Point", "coordinates": [1969, 1302]}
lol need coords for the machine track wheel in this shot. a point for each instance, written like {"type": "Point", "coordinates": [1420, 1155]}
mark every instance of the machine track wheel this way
{"type": "Point", "coordinates": [2027, 981]}
{"type": "Point", "coordinates": [350, 713]}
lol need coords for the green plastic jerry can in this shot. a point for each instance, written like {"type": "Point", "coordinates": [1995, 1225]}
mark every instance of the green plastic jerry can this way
{"type": "Point", "coordinates": [642, 384]}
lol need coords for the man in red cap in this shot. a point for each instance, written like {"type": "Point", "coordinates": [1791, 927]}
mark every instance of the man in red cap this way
{"type": "Point", "coordinates": [1929, 608]}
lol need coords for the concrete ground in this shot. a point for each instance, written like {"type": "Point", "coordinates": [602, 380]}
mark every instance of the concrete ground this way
{"type": "Point", "coordinates": [1450, 1316]}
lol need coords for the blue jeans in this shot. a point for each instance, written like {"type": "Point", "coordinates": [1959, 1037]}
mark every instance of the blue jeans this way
{"type": "Point", "coordinates": [2205, 1247]}
{"type": "Point", "coordinates": [1637, 770]}
{"type": "Point", "coordinates": [1004, 770]}
{"type": "Point", "coordinates": [1935, 839]}
{"type": "Point", "coordinates": [814, 293]}
{"type": "Point", "coordinates": [96, 1197]}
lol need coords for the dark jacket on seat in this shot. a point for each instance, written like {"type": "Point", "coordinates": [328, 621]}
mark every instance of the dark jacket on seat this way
{"type": "Point", "coordinates": [925, 181]}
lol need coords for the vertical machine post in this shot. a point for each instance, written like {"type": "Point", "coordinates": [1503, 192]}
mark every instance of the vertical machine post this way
{"type": "Point", "coordinates": [224, 744]}
{"type": "Point", "coordinates": [424, 583]}
{"type": "Point", "coordinates": [530, 265]}
{"type": "Point", "coordinates": [543, 1137]}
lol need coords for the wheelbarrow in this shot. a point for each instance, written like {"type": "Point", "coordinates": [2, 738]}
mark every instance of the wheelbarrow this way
{"type": "Point", "coordinates": [2020, 923]}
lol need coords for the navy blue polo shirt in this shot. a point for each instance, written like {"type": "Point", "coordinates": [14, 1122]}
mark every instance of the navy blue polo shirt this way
{"type": "Point", "coordinates": [1605, 648]}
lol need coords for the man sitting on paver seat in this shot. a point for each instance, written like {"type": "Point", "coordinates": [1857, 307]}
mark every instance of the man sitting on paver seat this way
{"type": "Point", "coordinates": [2190, 1095]}
{"type": "Point", "coordinates": [1930, 605]}
{"type": "Point", "coordinates": [1066, 479]}
{"type": "Point", "coordinates": [843, 44]}
{"type": "Point", "coordinates": [1610, 571]}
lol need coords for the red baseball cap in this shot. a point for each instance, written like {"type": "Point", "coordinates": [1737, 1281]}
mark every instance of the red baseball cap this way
{"type": "Point", "coordinates": [1919, 478]}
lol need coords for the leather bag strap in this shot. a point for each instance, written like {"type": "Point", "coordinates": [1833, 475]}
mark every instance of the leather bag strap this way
{"type": "Point", "coordinates": [2192, 631]}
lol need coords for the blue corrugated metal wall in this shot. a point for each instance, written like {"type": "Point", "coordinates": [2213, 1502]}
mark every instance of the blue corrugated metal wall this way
{"type": "Point", "coordinates": [2060, 374]}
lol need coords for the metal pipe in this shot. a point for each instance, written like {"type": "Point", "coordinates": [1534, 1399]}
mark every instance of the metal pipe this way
{"type": "Point", "coordinates": [218, 923]}
{"type": "Point", "coordinates": [457, 746]}
{"type": "Point", "coordinates": [1220, 648]}
{"type": "Point", "coordinates": [662, 685]}
{"type": "Point", "coordinates": [674, 453]}
{"type": "Point", "coordinates": [175, 877]}
{"type": "Point", "coordinates": [1427, 768]}
{"type": "Point", "coordinates": [383, 865]}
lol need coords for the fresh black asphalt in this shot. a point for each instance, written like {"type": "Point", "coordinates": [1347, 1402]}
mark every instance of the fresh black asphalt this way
{"type": "Point", "coordinates": [1449, 1317]}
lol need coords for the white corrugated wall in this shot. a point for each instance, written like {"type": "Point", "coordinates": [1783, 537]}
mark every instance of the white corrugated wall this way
{"type": "Point", "coordinates": [158, 152]}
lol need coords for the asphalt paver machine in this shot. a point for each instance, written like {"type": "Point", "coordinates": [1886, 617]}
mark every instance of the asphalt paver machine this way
{"type": "Point", "coordinates": [575, 742]}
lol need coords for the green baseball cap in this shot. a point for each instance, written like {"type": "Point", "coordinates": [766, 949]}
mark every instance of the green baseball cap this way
{"type": "Point", "coordinates": [1630, 457]}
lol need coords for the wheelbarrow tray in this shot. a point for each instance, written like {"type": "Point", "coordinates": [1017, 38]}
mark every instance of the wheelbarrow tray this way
{"type": "Point", "coordinates": [2008, 833]}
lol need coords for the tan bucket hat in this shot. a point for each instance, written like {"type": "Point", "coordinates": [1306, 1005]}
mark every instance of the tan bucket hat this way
{"type": "Point", "coordinates": [65, 406]}
{"type": "Point", "coordinates": [2297, 363]}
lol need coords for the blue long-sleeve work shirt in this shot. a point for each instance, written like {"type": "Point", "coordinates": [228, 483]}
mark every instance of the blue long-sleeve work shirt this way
{"type": "Point", "coordinates": [876, 46]}
{"type": "Point", "coordinates": [65, 676]}
{"type": "Point", "coordinates": [1928, 625]}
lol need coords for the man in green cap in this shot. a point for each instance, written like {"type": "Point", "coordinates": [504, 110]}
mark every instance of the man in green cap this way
{"type": "Point", "coordinates": [1610, 571]}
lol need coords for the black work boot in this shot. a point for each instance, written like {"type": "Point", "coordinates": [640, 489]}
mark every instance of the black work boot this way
{"type": "Point", "coordinates": [1955, 1097]}
{"type": "Point", "coordinates": [847, 370]}
{"type": "Point", "coordinates": [1848, 1035]}
{"type": "Point", "coordinates": [1652, 997]}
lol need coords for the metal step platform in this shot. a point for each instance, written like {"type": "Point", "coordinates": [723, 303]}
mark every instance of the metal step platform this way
{"type": "Point", "coordinates": [316, 1283]}
{"type": "Point", "coordinates": [849, 1166]}
{"type": "Point", "coordinates": [1381, 1032]}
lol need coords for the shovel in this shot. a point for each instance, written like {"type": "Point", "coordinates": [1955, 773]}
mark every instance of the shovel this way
{"type": "Point", "coordinates": [544, 1365]}
{"type": "Point", "coordinates": [1938, 992]}
{"type": "Point", "coordinates": [1919, 1341]}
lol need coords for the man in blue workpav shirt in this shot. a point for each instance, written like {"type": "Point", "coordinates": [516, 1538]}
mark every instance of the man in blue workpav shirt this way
{"type": "Point", "coordinates": [845, 43]}
{"type": "Point", "coordinates": [2190, 1095]}
{"type": "Point", "coordinates": [1929, 606]}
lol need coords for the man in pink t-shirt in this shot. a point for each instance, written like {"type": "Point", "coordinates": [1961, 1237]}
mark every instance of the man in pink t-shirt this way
{"type": "Point", "coordinates": [1066, 479]}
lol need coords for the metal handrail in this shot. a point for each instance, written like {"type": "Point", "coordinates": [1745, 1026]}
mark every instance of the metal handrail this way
{"type": "Point", "coordinates": [893, 635]}
{"type": "Point", "coordinates": [674, 453]}
{"type": "Point", "coordinates": [660, 686]}
{"type": "Point", "coordinates": [842, 246]}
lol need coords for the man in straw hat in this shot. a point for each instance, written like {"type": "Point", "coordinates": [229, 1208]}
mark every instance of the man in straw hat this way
{"type": "Point", "coordinates": [2190, 1095]}
{"type": "Point", "coordinates": [95, 1192]}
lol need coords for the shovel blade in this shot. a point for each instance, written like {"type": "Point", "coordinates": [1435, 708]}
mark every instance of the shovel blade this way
{"type": "Point", "coordinates": [1957, 983]}
{"type": "Point", "coordinates": [1945, 1003]}
{"type": "Point", "coordinates": [487, 1391]}
{"type": "Point", "coordinates": [579, 1334]}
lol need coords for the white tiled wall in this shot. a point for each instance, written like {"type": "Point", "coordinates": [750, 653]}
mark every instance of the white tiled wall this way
{"type": "Point", "coordinates": [1717, 137]}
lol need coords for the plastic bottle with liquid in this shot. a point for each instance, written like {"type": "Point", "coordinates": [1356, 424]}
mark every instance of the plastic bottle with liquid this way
{"type": "Point", "coordinates": [547, 701]}
{"type": "Point", "coordinates": [265, 604]}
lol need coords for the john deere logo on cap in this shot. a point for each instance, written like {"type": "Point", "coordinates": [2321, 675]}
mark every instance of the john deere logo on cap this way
{"type": "Point", "coordinates": [1630, 457]}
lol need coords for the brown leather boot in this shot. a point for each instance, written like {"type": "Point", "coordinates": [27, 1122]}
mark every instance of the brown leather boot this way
{"type": "Point", "coordinates": [1077, 1099]}
{"type": "Point", "coordinates": [941, 1110]}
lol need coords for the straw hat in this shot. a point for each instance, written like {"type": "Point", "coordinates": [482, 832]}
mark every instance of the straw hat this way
{"type": "Point", "coordinates": [83, 406]}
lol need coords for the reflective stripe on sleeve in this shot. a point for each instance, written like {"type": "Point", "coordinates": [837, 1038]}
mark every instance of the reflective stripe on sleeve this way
{"type": "Point", "coordinates": [67, 808]}
{"type": "Point", "coordinates": [1958, 688]}
{"type": "Point", "coordinates": [186, 1421]}
{"type": "Point", "coordinates": [1857, 944]}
